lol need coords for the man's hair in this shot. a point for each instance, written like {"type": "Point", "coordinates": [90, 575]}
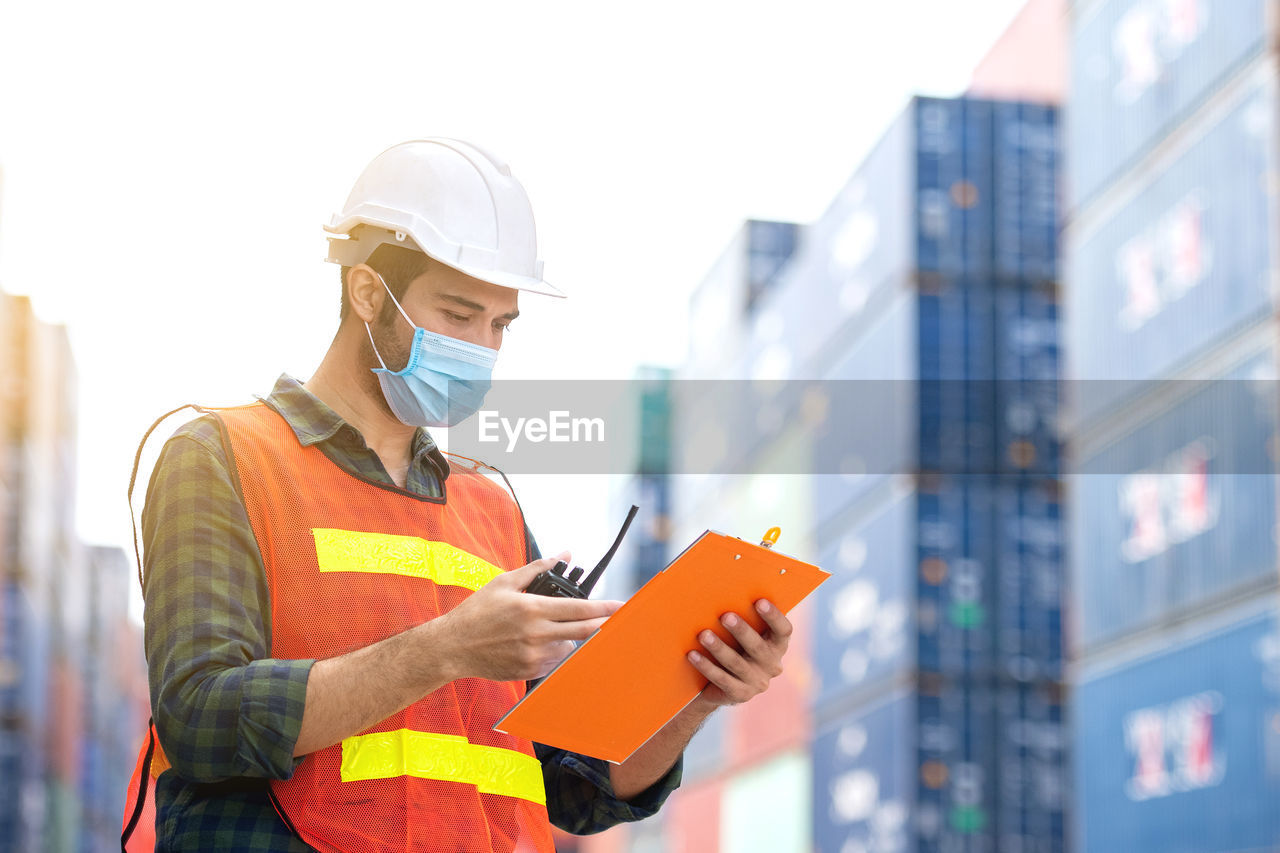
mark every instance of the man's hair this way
{"type": "Point", "coordinates": [398, 267]}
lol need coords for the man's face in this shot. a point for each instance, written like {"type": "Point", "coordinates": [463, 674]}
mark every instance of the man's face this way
{"type": "Point", "coordinates": [448, 302]}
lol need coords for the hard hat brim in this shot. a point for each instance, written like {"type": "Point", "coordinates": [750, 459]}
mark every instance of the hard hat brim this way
{"type": "Point", "coordinates": [342, 250]}
{"type": "Point", "coordinates": [515, 282]}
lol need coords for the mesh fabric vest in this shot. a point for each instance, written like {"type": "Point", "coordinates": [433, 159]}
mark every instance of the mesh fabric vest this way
{"type": "Point", "coordinates": [350, 562]}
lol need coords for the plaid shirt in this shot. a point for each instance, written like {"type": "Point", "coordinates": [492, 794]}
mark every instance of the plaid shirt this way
{"type": "Point", "coordinates": [227, 713]}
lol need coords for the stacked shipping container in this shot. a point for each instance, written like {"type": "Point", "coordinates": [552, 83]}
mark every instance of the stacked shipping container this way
{"type": "Point", "coordinates": [1172, 271]}
{"type": "Point", "coordinates": [938, 641]}
{"type": "Point", "coordinates": [72, 693]}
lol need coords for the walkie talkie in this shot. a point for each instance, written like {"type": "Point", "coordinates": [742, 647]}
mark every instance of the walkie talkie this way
{"type": "Point", "coordinates": [557, 584]}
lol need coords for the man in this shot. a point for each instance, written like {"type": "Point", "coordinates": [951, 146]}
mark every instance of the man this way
{"type": "Point", "coordinates": [335, 615]}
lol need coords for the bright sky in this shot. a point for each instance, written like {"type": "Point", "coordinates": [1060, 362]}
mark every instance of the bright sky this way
{"type": "Point", "coordinates": [168, 167]}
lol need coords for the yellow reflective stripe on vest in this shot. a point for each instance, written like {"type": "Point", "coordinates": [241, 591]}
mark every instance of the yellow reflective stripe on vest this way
{"type": "Point", "coordinates": [385, 553]}
{"type": "Point", "coordinates": [449, 758]}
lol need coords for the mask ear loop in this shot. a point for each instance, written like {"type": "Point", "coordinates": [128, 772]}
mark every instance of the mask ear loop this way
{"type": "Point", "coordinates": [375, 347]}
{"type": "Point", "coordinates": [394, 302]}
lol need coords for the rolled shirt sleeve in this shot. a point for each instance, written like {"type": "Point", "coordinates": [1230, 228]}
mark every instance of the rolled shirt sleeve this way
{"type": "Point", "coordinates": [580, 796]}
{"type": "Point", "coordinates": [222, 706]}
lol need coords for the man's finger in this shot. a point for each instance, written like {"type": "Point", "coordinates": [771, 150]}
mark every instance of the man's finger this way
{"type": "Point", "coordinates": [777, 621]}
{"type": "Point", "coordinates": [580, 630]}
{"type": "Point", "coordinates": [752, 644]}
{"type": "Point", "coordinates": [725, 655]}
{"type": "Point", "coordinates": [576, 609]}
{"type": "Point", "coordinates": [714, 673]}
{"type": "Point", "coordinates": [521, 578]}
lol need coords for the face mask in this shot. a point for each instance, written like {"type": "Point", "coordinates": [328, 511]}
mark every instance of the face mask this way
{"type": "Point", "coordinates": [444, 382]}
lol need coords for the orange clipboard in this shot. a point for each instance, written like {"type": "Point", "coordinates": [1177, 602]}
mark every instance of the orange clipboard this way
{"type": "Point", "coordinates": [627, 681]}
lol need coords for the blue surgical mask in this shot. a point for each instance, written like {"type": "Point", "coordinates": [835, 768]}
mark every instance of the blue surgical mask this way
{"type": "Point", "coordinates": [444, 382]}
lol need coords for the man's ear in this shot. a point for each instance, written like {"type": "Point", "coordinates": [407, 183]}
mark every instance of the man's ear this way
{"type": "Point", "coordinates": [365, 292]}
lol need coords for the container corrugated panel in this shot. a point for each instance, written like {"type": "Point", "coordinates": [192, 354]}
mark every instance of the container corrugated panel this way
{"type": "Point", "coordinates": [911, 771]}
{"type": "Point", "coordinates": [925, 202]}
{"type": "Point", "coordinates": [1032, 786]}
{"type": "Point", "coordinates": [66, 722]}
{"type": "Point", "coordinates": [954, 561]}
{"type": "Point", "coordinates": [1183, 263]}
{"type": "Point", "coordinates": [912, 590]}
{"type": "Point", "coordinates": [955, 779]}
{"type": "Point", "coordinates": [864, 771]}
{"type": "Point", "coordinates": [1179, 751]}
{"type": "Point", "coordinates": [1139, 67]}
{"type": "Point", "coordinates": [1178, 512]}
{"type": "Point", "coordinates": [955, 362]}
{"type": "Point", "coordinates": [876, 436]}
{"type": "Point", "coordinates": [955, 210]}
{"type": "Point", "coordinates": [11, 761]}
{"type": "Point", "coordinates": [25, 694]}
{"type": "Point", "coordinates": [1029, 582]}
{"type": "Point", "coordinates": [862, 243]}
{"type": "Point", "coordinates": [653, 495]}
{"type": "Point", "coordinates": [1027, 371]}
{"type": "Point", "coordinates": [770, 246]}
{"type": "Point", "coordinates": [864, 624]}
{"type": "Point", "coordinates": [912, 392]}
{"type": "Point", "coordinates": [1027, 207]}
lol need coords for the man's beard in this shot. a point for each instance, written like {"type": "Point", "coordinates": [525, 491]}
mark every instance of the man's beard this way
{"type": "Point", "coordinates": [393, 348]}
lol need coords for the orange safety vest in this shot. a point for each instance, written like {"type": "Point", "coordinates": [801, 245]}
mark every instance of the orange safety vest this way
{"type": "Point", "coordinates": [350, 562]}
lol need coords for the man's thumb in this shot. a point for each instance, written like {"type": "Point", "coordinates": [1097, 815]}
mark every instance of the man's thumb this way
{"type": "Point", "coordinates": [523, 576]}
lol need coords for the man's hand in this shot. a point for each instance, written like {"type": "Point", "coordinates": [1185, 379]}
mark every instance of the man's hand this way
{"type": "Point", "coordinates": [503, 634]}
{"type": "Point", "coordinates": [737, 676]}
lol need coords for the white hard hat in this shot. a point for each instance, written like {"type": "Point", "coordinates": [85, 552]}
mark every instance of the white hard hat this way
{"type": "Point", "coordinates": [457, 203]}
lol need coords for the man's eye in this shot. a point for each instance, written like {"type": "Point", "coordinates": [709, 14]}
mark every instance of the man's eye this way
{"type": "Point", "coordinates": [457, 318]}
{"type": "Point", "coordinates": [502, 327]}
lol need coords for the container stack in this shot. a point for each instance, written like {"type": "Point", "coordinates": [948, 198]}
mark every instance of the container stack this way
{"type": "Point", "coordinates": [746, 771]}
{"type": "Point", "coordinates": [70, 661]}
{"type": "Point", "coordinates": [27, 600]}
{"type": "Point", "coordinates": [1172, 262]}
{"type": "Point", "coordinates": [117, 701]}
{"type": "Point", "coordinates": [938, 641]}
{"type": "Point", "coordinates": [644, 550]}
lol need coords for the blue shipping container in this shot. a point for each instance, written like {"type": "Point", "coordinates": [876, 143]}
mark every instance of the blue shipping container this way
{"type": "Point", "coordinates": [770, 246]}
{"type": "Point", "coordinates": [912, 590]}
{"type": "Point", "coordinates": [1178, 511]}
{"type": "Point", "coordinates": [1027, 393]}
{"type": "Point", "coordinates": [1029, 580]}
{"type": "Point", "coordinates": [864, 616]}
{"type": "Point", "coordinates": [956, 189]}
{"type": "Point", "coordinates": [864, 771]}
{"type": "Point", "coordinates": [1139, 67]}
{"type": "Point", "coordinates": [1028, 215]}
{"type": "Point", "coordinates": [953, 185]}
{"type": "Point", "coordinates": [1032, 786]}
{"type": "Point", "coordinates": [1179, 752]}
{"type": "Point", "coordinates": [1182, 264]}
{"type": "Point", "coordinates": [954, 582]}
{"type": "Point", "coordinates": [956, 770]}
{"type": "Point", "coordinates": [946, 767]}
{"type": "Point", "coordinates": [954, 348]}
